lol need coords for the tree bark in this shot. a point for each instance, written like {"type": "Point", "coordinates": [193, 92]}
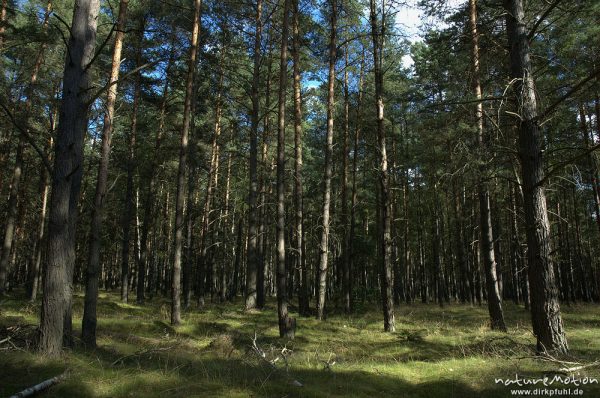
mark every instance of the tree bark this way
{"type": "Point", "coordinates": [34, 273]}
{"type": "Point", "coordinates": [385, 246]}
{"type": "Point", "coordinates": [88, 324]}
{"type": "Point", "coordinates": [66, 181]}
{"type": "Point", "coordinates": [183, 154]}
{"type": "Point", "coordinates": [129, 202]}
{"type": "Point", "coordinates": [299, 260]}
{"type": "Point", "coordinates": [344, 194]}
{"type": "Point", "coordinates": [485, 219]}
{"type": "Point", "coordinates": [252, 255]}
{"type": "Point", "coordinates": [545, 308]}
{"type": "Point", "coordinates": [192, 202]}
{"type": "Point", "coordinates": [286, 324]}
{"type": "Point", "coordinates": [436, 237]}
{"type": "Point", "coordinates": [324, 247]}
{"type": "Point", "coordinates": [233, 291]}
{"type": "Point", "coordinates": [223, 227]}
{"type": "Point", "coordinates": [268, 165]}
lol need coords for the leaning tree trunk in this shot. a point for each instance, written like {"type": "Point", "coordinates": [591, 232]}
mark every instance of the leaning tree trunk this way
{"type": "Point", "coordinates": [88, 324]}
{"type": "Point", "coordinates": [385, 250]}
{"type": "Point", "coordinates": [286, 324]}
{"type": "Point", "coordinates": [545, 308]}
{"type": "Point", "coordinates": [66, 179]}
{"type": "Point", "coordinates": [324, 248]}
{"type": "Point", "coordinates": [494, 298]}
{"type": "Point", "coordinates": [183, 154]}
{"type": "Point", "coordinates": [252, 256]}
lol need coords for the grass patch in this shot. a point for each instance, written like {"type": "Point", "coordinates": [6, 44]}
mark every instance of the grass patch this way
{"type": "Point", "coordinates": [435, 352]}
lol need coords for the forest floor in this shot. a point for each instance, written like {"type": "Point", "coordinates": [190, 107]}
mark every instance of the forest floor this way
{"type": "Point", "coordinates": [435, 352]}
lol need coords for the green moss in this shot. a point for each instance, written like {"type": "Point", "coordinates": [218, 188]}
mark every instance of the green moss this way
{"type": "Point", "coordinates": [435, 352]}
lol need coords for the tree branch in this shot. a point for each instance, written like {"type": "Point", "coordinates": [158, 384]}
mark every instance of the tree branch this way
{"type": "Point", "coordinates": [567, 162]}
{"type": "Point", "coordinates": [25, 135]}
{"type": "Point", "coordinates": [104, 43]}
{"type": "Point", "coordinates": [541, 18]}
{"type": "Point", "coordinates": [124, 77]}
{"type": "Point", "coordinates": [573, 90]}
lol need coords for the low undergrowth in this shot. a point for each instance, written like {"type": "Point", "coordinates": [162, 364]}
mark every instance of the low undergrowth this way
{"type": "Point", "coordinates": [435, 352]}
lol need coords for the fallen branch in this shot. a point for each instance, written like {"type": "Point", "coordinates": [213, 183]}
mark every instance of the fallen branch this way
{"type": "Point", "coordinates": [28, 392]}
{"type": "Point", "coordinates": [575, 366]}
{"type": "Point", "coordinates": [580, 367]}
{"type": "Point", "coordinates": [327, 365]}
{"type": "Point", "coordinates": [262, 355]}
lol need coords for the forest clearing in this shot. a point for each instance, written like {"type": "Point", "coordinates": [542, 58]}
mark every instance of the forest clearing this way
{"type": "Point", "coordinates": [299, 198]}
{"type": "Point", "coordinates": [435, 352]}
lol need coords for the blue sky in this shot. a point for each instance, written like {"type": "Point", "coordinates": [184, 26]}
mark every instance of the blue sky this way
{"type": "Point", "coordinates": [410, 20]}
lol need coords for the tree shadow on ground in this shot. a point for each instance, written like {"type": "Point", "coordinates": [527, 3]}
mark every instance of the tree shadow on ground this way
{"type": "Point", "coordinates": [30, 372]}
{"type": "Point", "coordinates": [228, 378]}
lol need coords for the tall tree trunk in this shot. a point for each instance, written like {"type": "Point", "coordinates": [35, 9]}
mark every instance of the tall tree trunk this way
{"type": "Point", "coordinates": [237, 259]}
{"type": "Point", "coordinates": [286, 324]}
{"type": "Point", "coordinates": [459, 239]}
{"type": "Point", "coordinates": [494, 298]}
{"type": "Point", "coordinates": [545, 308]}
{"type": "Point", "coordinates": [408, 278]}
{"type": "Point", "coordinates": [11, 216]}
{"type": "Point", "coordinates": [435, 248]}
{"type": "Point", "coordinates": [223, 228]}
{"type": "Point", "coordinates": [34, 272]}
{"type": "Point", "coordinates": [485, 218]}
{"type": "Point", "coordinates": [265, 177]}
{"type": "Point", "coordinates": [252, 256]}
{"type": "Point", "coordinates": [596, 178]}
{"type": "Point", "coordinates": [385, 250]}
{"type": "Point", "coordinates": [207, 266]}
{"type": "Point", "coordinates": [344, 213]}
{"type": "Point", "coordinates": [324, 247]}
{"type": "Point", "coordinates": [66, 181]}
{"type": "Point", "coordinates": [354, 197]}
{"type": "Point", "coordinates": [88, 324]}
{"type": "Point", "coordinates": [192, 202]}
{"type": "Point", "coordinates": [129, 202]}
{"type": "Point", "coordinates": [183, 154]}
{"type": "Point", "coordinates": [588, 140]}
{"type": "Point", "coordinates": [299, 258]}
{"type": "Point", "coordinates": [150, 192]}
